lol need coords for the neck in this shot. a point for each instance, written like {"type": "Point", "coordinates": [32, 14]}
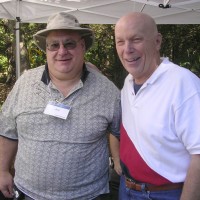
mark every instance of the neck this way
{"type": "Point", "coordinates": [141, 80]}
{"type": "Point", "coordinates": [65, 85]}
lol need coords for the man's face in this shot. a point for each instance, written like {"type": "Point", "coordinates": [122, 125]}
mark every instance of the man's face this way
{"type": "Point", "coordinates": [137, 47]}
{"type": "Point", "coordinates": [65, 54]}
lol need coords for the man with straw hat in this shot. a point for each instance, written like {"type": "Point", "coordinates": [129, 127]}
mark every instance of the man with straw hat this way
{"type": "Point", "coordinates": [55, 121]}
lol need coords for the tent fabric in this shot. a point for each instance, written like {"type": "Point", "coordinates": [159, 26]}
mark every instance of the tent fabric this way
{"type": "Point", "coordinates": [102, 11]}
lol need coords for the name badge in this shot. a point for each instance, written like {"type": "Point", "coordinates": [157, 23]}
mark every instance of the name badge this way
{"type": "Point", "coordinates": [57, 109]}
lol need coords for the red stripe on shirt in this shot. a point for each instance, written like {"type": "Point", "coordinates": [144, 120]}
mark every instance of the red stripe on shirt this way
{"type": "Point", "coordinates": [137, 167]}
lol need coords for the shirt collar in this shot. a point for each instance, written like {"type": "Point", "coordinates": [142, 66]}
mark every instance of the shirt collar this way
{"type": "Point", "coordinates": [46, 78]}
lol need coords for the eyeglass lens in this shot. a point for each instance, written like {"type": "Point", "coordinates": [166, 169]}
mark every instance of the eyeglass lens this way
{"type": "Point", "coordinates": [68, 44]}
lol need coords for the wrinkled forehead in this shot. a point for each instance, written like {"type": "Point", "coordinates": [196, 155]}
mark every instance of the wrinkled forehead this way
{"type": "Point", "coordinates": [129, 29]}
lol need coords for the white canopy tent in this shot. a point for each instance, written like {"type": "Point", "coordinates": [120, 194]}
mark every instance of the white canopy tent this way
{"type": "Point", "coordinates": [98, 12]}
{"type": "Point", "coordinates": [102, 11]}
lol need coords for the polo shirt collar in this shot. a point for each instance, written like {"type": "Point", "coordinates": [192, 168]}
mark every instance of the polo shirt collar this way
{"type": "Point", "coordinates": [46, 78]}
{"type": "Point", "coordinates": [162, 68]}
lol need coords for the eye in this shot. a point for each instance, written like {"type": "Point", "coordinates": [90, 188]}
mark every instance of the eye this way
{"type": "Point", "coordinates": [137, 40]}
{"type": "Point", "coordinates": [69, 44]}
{"type": "Point", "coordinates": [53, 46]}
{"type": "Point", "coordinates": [119, 42]}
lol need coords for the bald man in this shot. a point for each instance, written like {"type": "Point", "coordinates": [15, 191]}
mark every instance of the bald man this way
{"type": "Point", "coordinates": [160, 131]}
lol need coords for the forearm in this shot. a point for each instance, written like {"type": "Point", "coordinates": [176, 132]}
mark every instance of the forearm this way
{"type": "Point", "coordinates": [114, 149]}
{"type": "Point", "coordinates": [191, 186]}
{"type": "Point", "coordinates": [8, 149]}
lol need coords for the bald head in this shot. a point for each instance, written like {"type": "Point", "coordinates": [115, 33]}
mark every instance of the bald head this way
{"type": "Point", "coordinates": [137, 19]}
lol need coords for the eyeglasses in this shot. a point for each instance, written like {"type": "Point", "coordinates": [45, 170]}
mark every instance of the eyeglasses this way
{"type": "Point", "coordinates": [67, 44]}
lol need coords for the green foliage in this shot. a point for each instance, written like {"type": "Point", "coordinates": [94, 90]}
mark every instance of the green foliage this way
{"type": "Point", "coordinates": [104, 55]}
{"type": "Point", "coordinates": [35, 56]}
{"type": "Point", "coordinates": [4, 63]}
{"type": "Point", "coordinates": [6, 48]}
{"type": "Point", "coordinates": [180, 44]}
{"type": "Point", "coordinates": [193, 66]}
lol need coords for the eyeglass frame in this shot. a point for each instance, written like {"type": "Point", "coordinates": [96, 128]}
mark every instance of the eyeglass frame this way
{"type": "Point", "coordinates": [63, 43]}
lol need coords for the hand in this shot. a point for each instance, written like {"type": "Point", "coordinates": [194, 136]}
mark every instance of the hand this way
{"type": "Point", "coordinates": [6, 184]}
{"type": "Point", "coordinates": [117, 166]}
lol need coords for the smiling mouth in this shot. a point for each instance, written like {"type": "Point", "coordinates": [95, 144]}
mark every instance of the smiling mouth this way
{"type": "Point", "coordinates": [62, 60]}
{"type": "Point", "coordinates": [133, 59]}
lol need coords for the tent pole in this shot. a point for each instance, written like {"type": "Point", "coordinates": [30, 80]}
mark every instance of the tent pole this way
{"type": "Point", "coordinates": [17, 48]}
{"type": "Point", "coordinates": [17, 32]}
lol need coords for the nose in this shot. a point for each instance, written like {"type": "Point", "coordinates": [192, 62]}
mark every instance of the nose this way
{"type": "Point", "coordinates": [62, 49]}
{"type": "Point", "coordinates": [128, 47]}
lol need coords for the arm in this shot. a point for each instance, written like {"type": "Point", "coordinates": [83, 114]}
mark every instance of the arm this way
{"type": "Point", "coordinates": [8, 149]}
{"type": "Point", "coordinates": [192, 183]}
{"type": "Point", "coordinates": [114, 148]}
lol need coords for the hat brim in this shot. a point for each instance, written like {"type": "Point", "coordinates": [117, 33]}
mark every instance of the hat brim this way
{"type": "Point", "coordinates": [87, 34]}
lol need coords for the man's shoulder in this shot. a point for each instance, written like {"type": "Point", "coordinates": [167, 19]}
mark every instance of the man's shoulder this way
{"type": "Point", "coordinates": [33, 74]}
{"type": "Point", "coordinates": [37, 70]}
{"type": "Point", "coordinates": [100, 79]}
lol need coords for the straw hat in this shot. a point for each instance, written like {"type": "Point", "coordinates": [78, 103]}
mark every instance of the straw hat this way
{"type": "Point", "coordinates": [63, 21]}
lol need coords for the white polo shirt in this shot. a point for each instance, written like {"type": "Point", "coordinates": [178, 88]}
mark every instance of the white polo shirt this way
{"type": "Point", "coordinates": [163, 119]}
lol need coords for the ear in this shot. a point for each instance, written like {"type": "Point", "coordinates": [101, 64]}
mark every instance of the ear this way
{"type": "Point", "coordinates": [158, 41]}
{"type": "Point", "coordinates": [83, 44]}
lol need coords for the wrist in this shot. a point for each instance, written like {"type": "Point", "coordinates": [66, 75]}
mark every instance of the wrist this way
{"type": "Point", "coordinates": [116, 158]}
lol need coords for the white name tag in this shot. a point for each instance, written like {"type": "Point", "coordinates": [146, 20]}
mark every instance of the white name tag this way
{"type": "Point", "coordinates": [57, 109]}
